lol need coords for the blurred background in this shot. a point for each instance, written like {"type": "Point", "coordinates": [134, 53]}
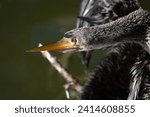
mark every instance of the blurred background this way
{"type": "Point", "coordinates": [24, 24]}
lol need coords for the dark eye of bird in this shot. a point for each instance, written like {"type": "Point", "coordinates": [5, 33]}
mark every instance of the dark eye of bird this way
{"type": "Point", "coordinates": [73, 40]}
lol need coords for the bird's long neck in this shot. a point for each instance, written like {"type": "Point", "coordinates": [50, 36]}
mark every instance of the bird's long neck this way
{"type": "Point", "coordinates": [129, 28]}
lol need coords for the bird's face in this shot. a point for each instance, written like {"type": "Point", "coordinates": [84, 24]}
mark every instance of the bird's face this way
{"type": "Point", "coordinates": [70, 42]}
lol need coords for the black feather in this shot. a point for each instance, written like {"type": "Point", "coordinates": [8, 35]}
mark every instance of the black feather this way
{"type": "Point", "coordinates": [113, 76]}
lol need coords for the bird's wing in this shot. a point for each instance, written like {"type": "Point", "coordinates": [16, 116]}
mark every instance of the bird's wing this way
{"type": "Point", "coordinates": [96, 12]}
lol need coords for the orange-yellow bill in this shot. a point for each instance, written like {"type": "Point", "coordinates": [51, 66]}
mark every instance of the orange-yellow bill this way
{"type": "Point", "coordinates": [59, 46]}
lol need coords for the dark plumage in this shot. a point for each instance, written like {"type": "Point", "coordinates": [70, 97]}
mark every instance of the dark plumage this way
{"type": "Point", "coordinates": [113, 76]}
{"type": "Point", "coordinates": [130, 28]}
{"type": "Point", "coordinates": [125, 72]}
{"type": "Point", "coordinates": [96, 12]}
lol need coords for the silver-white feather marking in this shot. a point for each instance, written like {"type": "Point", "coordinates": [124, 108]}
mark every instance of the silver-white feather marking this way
{"type": "Point", "coordinates": [135, 81]}
{"type": "Point", "coordinates": [148, 39]}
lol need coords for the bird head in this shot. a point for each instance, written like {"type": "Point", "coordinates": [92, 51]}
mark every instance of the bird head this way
{"type": "Point", "coordinates": [72, 41]}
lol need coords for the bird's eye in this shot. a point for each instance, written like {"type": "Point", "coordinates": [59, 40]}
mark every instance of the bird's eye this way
{"type": "Point", "coordinates": [73, 40]}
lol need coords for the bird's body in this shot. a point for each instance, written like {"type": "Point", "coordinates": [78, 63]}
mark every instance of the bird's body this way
{"type": "Point", "coordinates": [124, 27]}
{"type": "Point", "coordinates": [123, 74]}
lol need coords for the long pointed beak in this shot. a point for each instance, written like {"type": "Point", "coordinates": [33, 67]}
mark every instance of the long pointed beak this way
{"type": "Point", "coordinates": [66, 44]}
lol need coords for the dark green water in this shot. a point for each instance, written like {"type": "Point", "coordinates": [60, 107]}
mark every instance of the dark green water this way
{"type": "Point", "coordinates": [23, 24]}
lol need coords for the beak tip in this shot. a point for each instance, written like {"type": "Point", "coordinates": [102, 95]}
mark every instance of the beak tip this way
{"type": "Point", "coordinates": [31, 50]}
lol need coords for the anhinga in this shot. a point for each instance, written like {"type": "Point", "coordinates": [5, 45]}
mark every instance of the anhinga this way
{"type": "Point", "coordinates": [123, 27]}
